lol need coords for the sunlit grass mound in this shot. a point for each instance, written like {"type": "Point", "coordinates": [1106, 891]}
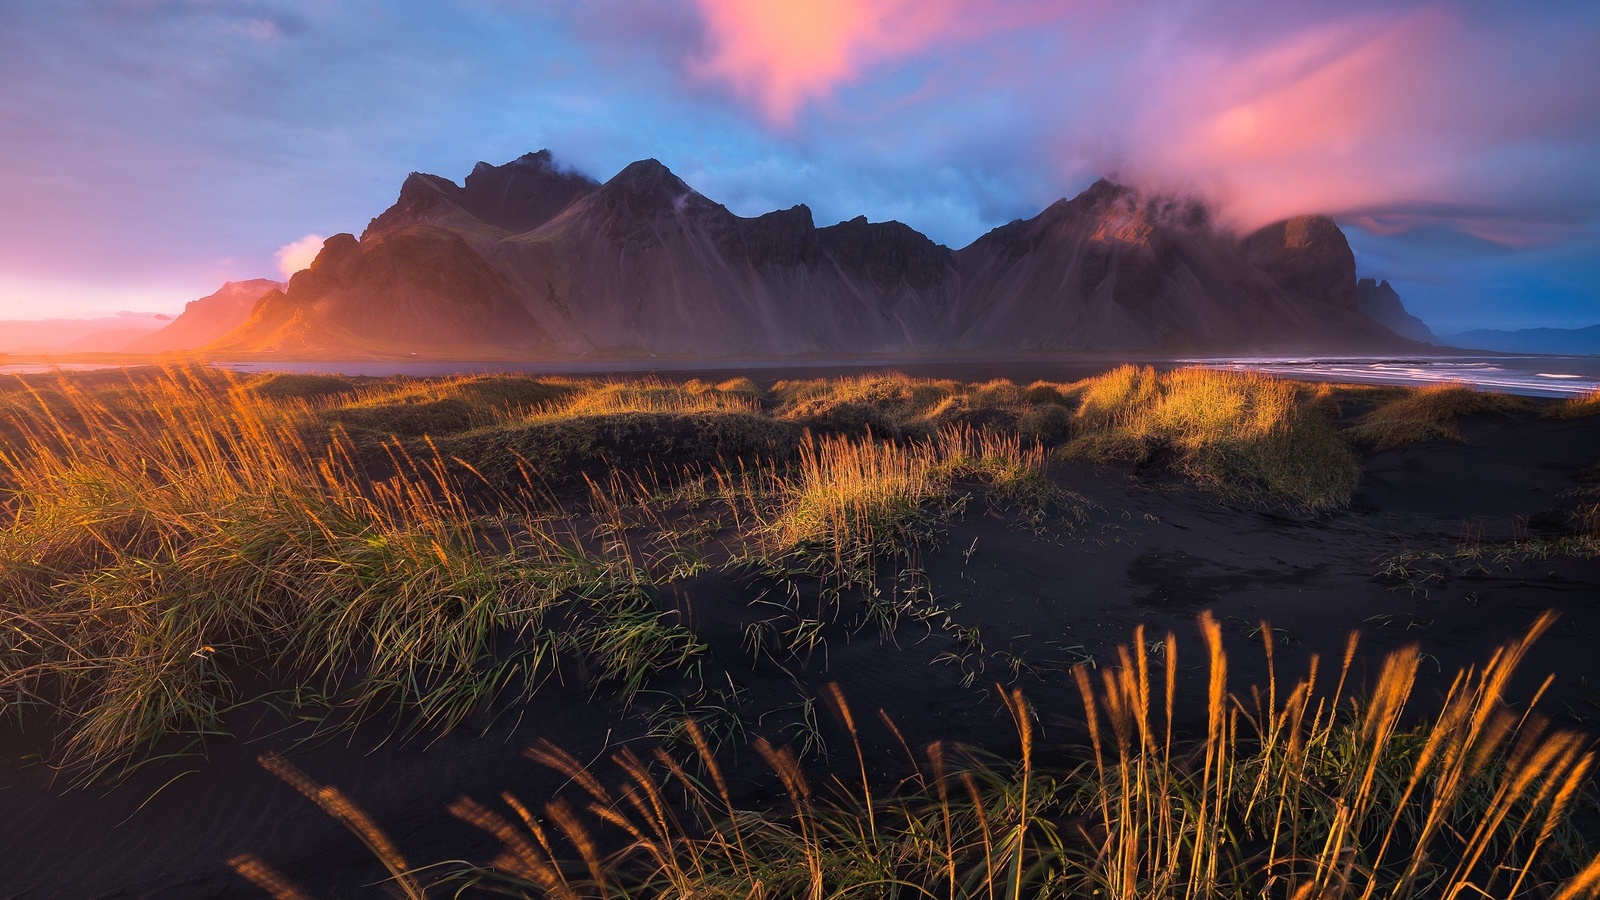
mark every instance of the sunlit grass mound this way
{"type": "Point", "coordinates": [652, 395]}
{"type": "Point", "coordinates": [437, 407]}
{"type": "Point", "coordinates": [1245, 436]}
{"type": "Point", "coordinates": [894, 405]}
{"type": "Point", "coordinates": [297, 386]}
{"type": "Point", "coordinates": [649, 426]}
{"type": "Point", "coordinates": [1428, 414]}
{"type": "Point", "coordinates": [149, 557]}
{"type": "Point", "coordinates": [1578, 407]}
{"type": "Point", "coordinates": [849, 501]}
{"type": "Point", "coordinates": [1305, 790]}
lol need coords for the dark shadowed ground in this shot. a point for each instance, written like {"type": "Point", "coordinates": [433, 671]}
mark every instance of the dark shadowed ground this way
{"type": "Point", "coordinates": [1153, 552]}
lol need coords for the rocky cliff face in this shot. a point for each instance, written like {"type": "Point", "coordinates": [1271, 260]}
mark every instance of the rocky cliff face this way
{"type": "Point", "coordinates": [516, 197]}
{"type": "Point", "coordinates": [530, 258]}
{"type": "Point", "coordinates": [1379, 302]}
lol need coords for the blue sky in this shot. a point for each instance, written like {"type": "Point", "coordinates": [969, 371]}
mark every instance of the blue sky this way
{"type": "Point", "coordinates": [150, 149]}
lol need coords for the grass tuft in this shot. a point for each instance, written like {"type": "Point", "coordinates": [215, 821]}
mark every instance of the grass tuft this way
{"type": "Point", "coordinates": [1295, 790]}
{"type": "Point", "coordinates": [156, 549]}
{"type": "Point", "coordinates": [1429, 414]}
{"type": "Point", "coordinates": [1245, 436]}
{"type": "Point", "coordinates": [1579, 407]}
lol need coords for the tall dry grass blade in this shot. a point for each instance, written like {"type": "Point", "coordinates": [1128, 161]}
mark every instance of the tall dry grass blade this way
{"type": "Point", "coordinates": [251, 868]}
{"type": "Point", "coordinates": [336, 804]}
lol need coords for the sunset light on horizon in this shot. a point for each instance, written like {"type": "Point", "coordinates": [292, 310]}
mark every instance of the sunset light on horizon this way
{"type": "Point", "coordinates": [152, 149]}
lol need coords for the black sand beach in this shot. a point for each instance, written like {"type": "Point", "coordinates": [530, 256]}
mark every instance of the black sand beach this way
{"type": "Point", "coordinates": [1422, 555]}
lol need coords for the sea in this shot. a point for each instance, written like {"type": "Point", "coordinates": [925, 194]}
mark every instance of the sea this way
{"type": "Point", "coordinates": [1532, 376]}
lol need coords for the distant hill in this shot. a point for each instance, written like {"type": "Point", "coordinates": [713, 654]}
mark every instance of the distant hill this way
{"type": "Point", "coordinates": [207, 319]}
{"type": "Point", "coordinates": [1567, 341]}
{"type": "Point", "coordinates": [532, 259]}
{"type": "Point", "coordinates": [96, 335]}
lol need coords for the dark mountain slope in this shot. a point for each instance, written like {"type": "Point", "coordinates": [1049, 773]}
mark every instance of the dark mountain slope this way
{"type": "Point", "coordinates": [1379, 302]}
{"type": "Point", "coordinates": [531, 258]}
{"type": "Point", "coordinates": [416, 288]}
{"type": "Point", "coordinates": [1113, 269]}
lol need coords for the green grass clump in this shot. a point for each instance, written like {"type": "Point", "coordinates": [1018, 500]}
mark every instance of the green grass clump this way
{"type": "Point", "coordinates": [293, 386]}
{"type": "Point", "coordinates": [1242, 435]}
{"type": "Point", "coordinates": [1304, 790]}
{"type": "Point", "coordinates": [1428, 414]}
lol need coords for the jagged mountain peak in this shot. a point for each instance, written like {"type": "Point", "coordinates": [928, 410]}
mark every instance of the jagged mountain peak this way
{"type": "Point", "coordinates": [646, 190]}
{"type": "Point", "coordinates": [538, 160]}
{"type": "Point", "coordinates": [515, 197]}
{"type": "Point", "coordinates": [528, 254]}
{"type": "Point", "coordinates": [651, 181]}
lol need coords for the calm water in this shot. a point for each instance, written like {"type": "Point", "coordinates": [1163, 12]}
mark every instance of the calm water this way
{"type": "Point", "coordinates": [1535, 376]}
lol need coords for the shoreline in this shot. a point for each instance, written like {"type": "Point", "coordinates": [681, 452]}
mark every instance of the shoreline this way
{"type": "Point", "coordinates": [1529, 375]}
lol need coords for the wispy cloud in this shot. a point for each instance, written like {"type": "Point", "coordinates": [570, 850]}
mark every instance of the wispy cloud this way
{"type": "Point", "coordinates": [297, 255]}
{"type": "Point", "coordinates": [142, 140]}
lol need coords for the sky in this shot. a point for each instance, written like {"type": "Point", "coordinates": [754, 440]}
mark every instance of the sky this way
{"type": "Point", "coordinates": [152, 149]}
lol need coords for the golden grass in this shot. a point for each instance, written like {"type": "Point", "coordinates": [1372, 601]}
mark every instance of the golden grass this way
{"type": "Point", "coordinates": [652, 395]}
{"type": "Point", "coordinates": [1581, 406]}
{"type": "Point", "coordinates": [849, 501]}
{"type": "Point", "coordinates": [893, 405]}
{"type": "Point", "coordinates": [436, 407]}
{"type": "Point", "coordinates": [154, 548]}
{"type": "Point", "coordinates": [1429, 414]}
{"type": "Point", "coordinates": [1242, 435]}
{"type": "Point", "coordinates": [1301, 790]}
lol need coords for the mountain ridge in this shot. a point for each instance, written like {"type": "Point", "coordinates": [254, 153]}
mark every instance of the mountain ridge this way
{"type": "Point", "coordinates": [1565, 341]}
{"type": "Point", "coordinates": [529, 257]}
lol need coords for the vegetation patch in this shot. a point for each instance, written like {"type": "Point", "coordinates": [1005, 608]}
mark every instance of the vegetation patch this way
{"type": "Point", "coordinates": [294, 386]}
{"type": "Point", "coordinates": [411, 408]}
{"type": "Point", "coordinates": [1428, 414]}
{"type": "Point", "coordinates": [1244, 436]}
{"type": "Point", "coordinates": [849, 502]}
{"type": "Point", "coordinates": [148, 560]}
{"type": "Point", "coordinates": [892, 405]}
{"type": "Point", "coordinates": [559, 453]}
{"type": "Point", "coordinates": [1298, 790]}
{"type": "Point", "coordinates": [1579, 407]}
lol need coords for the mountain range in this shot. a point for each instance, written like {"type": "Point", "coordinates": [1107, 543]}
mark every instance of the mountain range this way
{"type": "Point", "coordinates": [532, 259]}
{"type": "Point", "coordinates": [1566, 341]}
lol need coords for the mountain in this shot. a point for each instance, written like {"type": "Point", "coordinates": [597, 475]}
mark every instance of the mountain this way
{"type": "Point", "coordinates": [516, 197]}
{"type": "Point", "coordinates": [1379, 302]}
{"type": "Point", "coordinates": [103, 334]}
{"type": "Point", "coordinates": [417, 287]}
{"type": "Point", "coordinates": [207, 319]}
{"type": "Point", "coordinates": [1115, 269]}
{"type": "Point", "coordinates": [530, 258]}
{"type": "Point", "coordinates": [1567, 341]}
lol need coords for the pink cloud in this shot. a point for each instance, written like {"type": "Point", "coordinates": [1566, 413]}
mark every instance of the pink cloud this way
{"type": "Point", "coordinates": [1268, 111]}
{"type": "Point", "coordinates": [1337, 117]}
{"type": "Point", "coordinates": [781, 55]}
